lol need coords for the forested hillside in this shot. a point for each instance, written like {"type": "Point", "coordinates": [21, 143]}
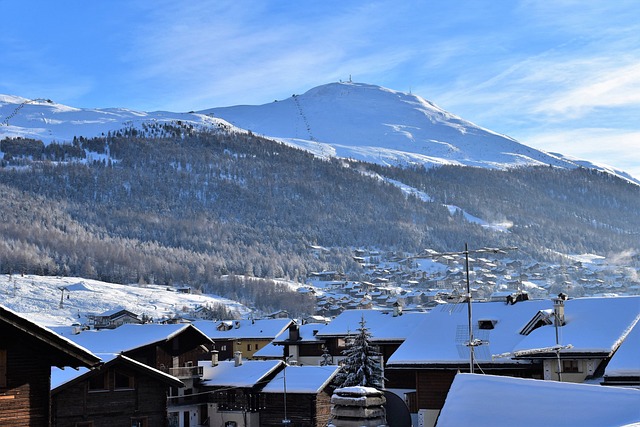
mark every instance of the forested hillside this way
{"type": "Point", "coordinates": [172, 204]}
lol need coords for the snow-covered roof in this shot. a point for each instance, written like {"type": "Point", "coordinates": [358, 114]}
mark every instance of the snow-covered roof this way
{"type": "Point", "coordinates": [270, 351]}
{"type": "Point", "coordinates": [441, 336]}
{"type": "Point", "coordinates": [302, 379]}
{"type": "Point", "coordinates": [244, 329]}
{"type": "Point", "coordinates": [63, 376]}
{"type": "Point", "coordinates": [626, 360]}
{"type": "Point", "coordinates": [128, 337]}
{"type": "Point", "coordinates": [248, 374]}
{"type": "Point", "coordinates": [60, 377]}
{"type": "Point", "coordinates": [69, 351]}
{"type": "Point", "coordinates": [487, 400]}
{"type": "Point", "coordinates": [592, 325]}
{"type": "Point", "coordinates": [382, 324]}
{"type": "Point", "coordinates": [113, 311]}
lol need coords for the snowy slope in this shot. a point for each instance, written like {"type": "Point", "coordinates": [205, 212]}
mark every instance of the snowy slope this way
{"type": "Point", "coordinates": [348, 120]}
{"type": "Point", "coordinates": [48, 121]}
{"type": "Point", "coordinates": [375, 124]}
{"type": "Point", "coordinates": [38, 299]}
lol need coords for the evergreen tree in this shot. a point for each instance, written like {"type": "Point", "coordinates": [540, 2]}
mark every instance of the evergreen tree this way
{"type": "Point", "coordinates": [362, 364]}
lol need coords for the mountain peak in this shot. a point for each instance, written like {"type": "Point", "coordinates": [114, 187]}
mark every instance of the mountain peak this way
{"type": "Point", "coordinates": [343, 119]}
{"type": "Point", "coordinates": [376, 124]}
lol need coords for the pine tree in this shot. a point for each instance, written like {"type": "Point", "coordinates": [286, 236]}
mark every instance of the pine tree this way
{"type": "Point", "coordinates": [361, 367]}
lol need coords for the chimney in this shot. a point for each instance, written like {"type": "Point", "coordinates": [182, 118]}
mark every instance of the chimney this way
{"type": "Point", "coordinates": [558, 309]}
{"type": "Point", "coordinates": [237, 357]}
{"type": "Point", "coordinates": [294, 332]}
{"type": "Point", "coordinates": [214, 358]}
{"type": "Point", "coordinates": [397, 309]}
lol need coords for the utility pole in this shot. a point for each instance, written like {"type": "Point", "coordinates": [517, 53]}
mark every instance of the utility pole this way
{"type": "Point", "coordinates": [286, 421]}
{"type": "Point", "coordinates": [472, 343]}
{"type": "Point", "coordinates": [62, 288]}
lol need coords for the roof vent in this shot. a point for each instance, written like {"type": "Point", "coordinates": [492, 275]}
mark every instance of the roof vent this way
{"type": "Point", "coordinates": [486, 323]}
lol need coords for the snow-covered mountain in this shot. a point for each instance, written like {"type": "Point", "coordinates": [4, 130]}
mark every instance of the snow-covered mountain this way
{"type": "Point", "coordinates": [346, 119]}
{"type": "Point", "coordinates": [48, 121]}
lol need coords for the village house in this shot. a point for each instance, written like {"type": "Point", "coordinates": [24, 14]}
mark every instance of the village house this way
{"type": "Point", "coordinates": [113, 318]}
{"type": "Point", "coordinates": [27, 354]}
{"type": "Point", "coordinates": [232, 389]}
{"type": "Point", "coordinates": [517, 340]}
{"type": "Point", "coordinates": [121, 391]}
{"type": "Point", "coordinates": [307, 390]}
{"type": "Point", "coordinates": [246, 336]}
{"type": "Point", "coordinates": [173, 349]}
{"type": "Point", "coordinates": [301, 344]}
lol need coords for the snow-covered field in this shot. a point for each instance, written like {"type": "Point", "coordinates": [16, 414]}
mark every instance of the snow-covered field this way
{"type": "Point", "coordinates": [62, 301]}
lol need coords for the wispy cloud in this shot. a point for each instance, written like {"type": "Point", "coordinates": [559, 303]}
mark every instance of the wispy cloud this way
{"type": "Point", "coordinates": [229, 51]}
{"type": "Point", "coordinates": [605, 86]}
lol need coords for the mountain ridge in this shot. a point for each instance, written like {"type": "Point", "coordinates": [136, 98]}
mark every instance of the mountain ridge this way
{"type": "Point", "coordinates": [349, 120]}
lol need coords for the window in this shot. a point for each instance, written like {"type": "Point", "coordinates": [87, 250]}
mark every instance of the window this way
{"type": "Point", "coordinates": [123, 381]}
{"type": "Point", "coordinates": [223, 347]}
{"type": "Point", "coordinates": [174, 421]}
{"type": "Point", "coordinates": [3, 368]}
{"type": "Point", "coordinates": [139, 422]}
{"type": "Point", "coordinates": [570, 366]}
{"type": "Point", "coordinates": [248, 347]}
{"type": "Point", "coordinates": [98, 382]}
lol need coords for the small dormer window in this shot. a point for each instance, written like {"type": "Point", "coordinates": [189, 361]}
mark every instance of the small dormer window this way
{"type": "Point", "coordinates": [486, 324]}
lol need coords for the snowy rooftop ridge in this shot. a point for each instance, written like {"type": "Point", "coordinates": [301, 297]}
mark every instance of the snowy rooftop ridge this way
{"type": "Point", "coordinates": [302, 379]}
{"type": "Point", "coordinates": [247, 374]}
{"type": "Point", "coordinates": [128, 337]}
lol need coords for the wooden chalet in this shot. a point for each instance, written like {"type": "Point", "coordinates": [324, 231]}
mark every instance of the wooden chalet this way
{"type": "Point", "coordinates": [122, 391]}
{"type": "Point", "coordinates": [231, 389]}
{"type": "Point", "coordinates": [174, 349]}
{"type": "Point", "coordinates": [302, 345]}
{"type": "Point", "coordinates": [27, 353]}
{"type": "Point", "coordinates": [516, 340]}
{"type": "Point", "coordinates": [111, 319]}
{"type": "Point", "coordinates": [307, 390]}
{"type": "Point", "coordinates": [389, 329]}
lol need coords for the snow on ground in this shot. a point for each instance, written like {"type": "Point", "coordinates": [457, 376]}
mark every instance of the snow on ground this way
{"type": "Point", "coordinates": [61, 301]}
{"type": "Point", "coordinates": [499, 226]}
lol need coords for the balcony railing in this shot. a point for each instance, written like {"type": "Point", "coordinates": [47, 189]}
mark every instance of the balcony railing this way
{"type": "Point", "coordinates": [186, 371]}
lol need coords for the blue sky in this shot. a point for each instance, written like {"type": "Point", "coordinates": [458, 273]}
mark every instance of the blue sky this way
{"type": "Point", "coordinates": [561, 75]}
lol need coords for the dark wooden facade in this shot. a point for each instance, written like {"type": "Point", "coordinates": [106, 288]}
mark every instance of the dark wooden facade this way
{"type": "Point", "coordinates": [304, 410]}
{"type": "Point", "coordinates": [24, 397]}
{"type": "Point", "coordinates": [27, 353]}
{"type": "Point", "coordinates": [432, 384]}
{"type": "Point", "coordinates": [186, 347]}
{"type": "Point", "coordinates": [121, 392]}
